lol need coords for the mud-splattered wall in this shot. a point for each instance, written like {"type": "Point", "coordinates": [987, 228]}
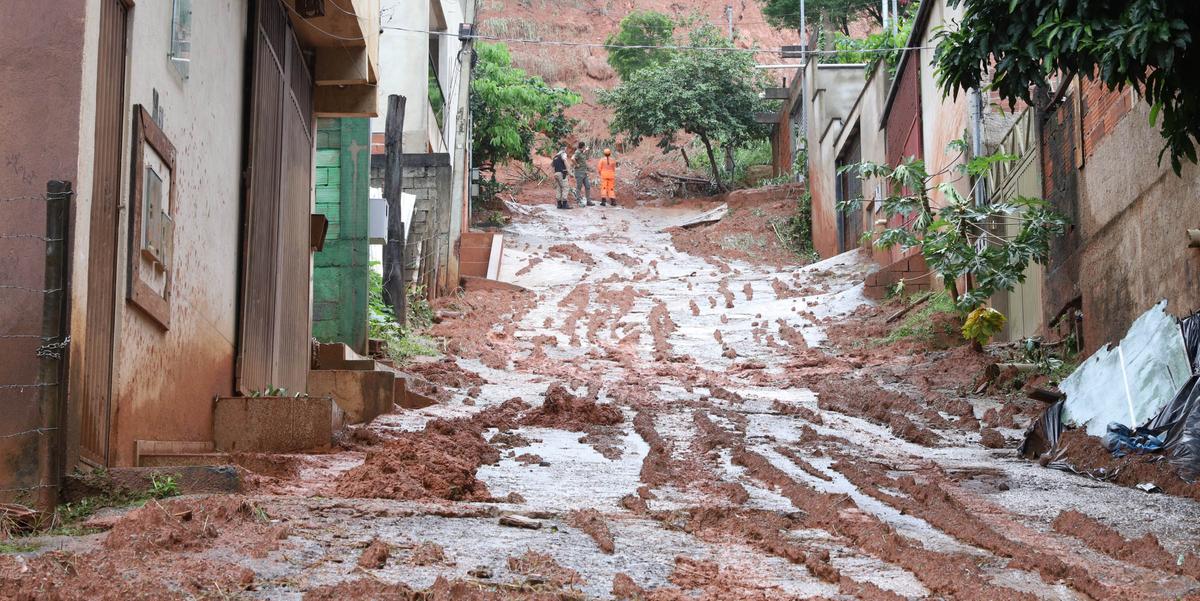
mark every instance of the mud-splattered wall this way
{"type": "Point", "coordinates": [41, 46]}
{"type": "Point", "coordinates": [165, 379]}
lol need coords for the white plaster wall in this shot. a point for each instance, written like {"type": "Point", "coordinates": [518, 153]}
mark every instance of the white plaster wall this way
{"type": "Point", "coordinates": [403, 67]}
{"type": "Point", "coordinates": [165, 379]}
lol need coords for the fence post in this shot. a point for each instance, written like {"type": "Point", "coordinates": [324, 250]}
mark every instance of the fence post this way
{"type": "Point", "coordinates": [394, 288]}
{"type": "Point", "coordinates": [55, 339]}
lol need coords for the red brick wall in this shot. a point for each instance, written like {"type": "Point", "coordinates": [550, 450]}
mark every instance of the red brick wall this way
{"type": "Point", "coordinates": [1101, 110]}
{"type": "Point", "coordinates": [912, 270]}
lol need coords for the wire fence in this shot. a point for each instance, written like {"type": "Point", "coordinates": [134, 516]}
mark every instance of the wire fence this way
{"type": "Point", "coordinates": [34, 340]}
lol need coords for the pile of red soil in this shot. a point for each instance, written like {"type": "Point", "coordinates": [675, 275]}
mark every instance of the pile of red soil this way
{"type": "Point", "coordinates": [1145, 551]}
{"type": "Point", "coordinates": [746, 233]}
{"type": "Point", "coordinates": [428, 554]}
{"type": "Point", "coordinates": [543, 567]}
{"type": "Point", "coordinates": [866, 399]}
{"type": "Point", "coordinates": [1087, 454]}
{"type": "Point", "coordinates": [140, 558]}
{"type": "Point", "coordinates": [592, 523]}
{"type": "Point", "coordinates": [445, 372]}
{"type": "Point", "coordinates": [189, 525]}
{"type": "Point", "coordinates": [375, 556]}
{"type": "Point", "coordinates": [437, 463]}
{"type": "Point", "coordinates": [572, 252]}
{"type": "Point", "coordinates": [471, 334]}
{"type": "Point", "coordinates": [442, 590]}
{"type": "Point", "coordinates": [566, 411]}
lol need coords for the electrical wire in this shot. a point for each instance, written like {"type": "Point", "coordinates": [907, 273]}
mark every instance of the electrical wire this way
{"type": "Point", "coordinates": [543, 42]}
{"type": "Point", "coordinates": [322, 31]}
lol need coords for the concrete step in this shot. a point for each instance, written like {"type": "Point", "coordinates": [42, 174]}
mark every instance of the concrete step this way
{"type": "Point", "coordinates": [189, 479]}
{"type": "Point", "coordinates": [337, 355]}
{"type": "Point", "coordinates": [362, 395]}
{"type": "Point", "coordinates": [161, 453]}
{"type": "Point", "coordinates": [275, 424]}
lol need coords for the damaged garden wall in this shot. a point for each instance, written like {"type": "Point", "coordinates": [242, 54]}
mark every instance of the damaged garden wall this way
{"type": "Point", "coordinates": [1127, 246]}
{"type": "Point", "coordinates": [1134, 214]}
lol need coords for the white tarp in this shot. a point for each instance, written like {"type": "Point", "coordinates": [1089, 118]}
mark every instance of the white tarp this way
{"type": "Point", "coordinates": [1132, 382]}
{"type": "Point", "coordinates": [710, 216]}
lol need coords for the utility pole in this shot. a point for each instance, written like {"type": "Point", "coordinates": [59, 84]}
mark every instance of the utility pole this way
{"type": "Point", "coordinates": [895, 17]}
{"type": "Point", "coordinates": [885, 13]}
{"type": "Point", "coordinates": [395, 292]}
{"type": "Point", "coordinates": [803, 32]}
{"type": "Point", "coordinates": [730, 166]}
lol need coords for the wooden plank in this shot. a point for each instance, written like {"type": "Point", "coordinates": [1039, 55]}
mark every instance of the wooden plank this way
{"type": "Point", "coordinates": [342, 66]}
{"type": "Point", "coordinates": [346, 101]}
{"type": "Point", "coordinates": [393, 252]}
{"type": "Point", "coordinates": [776, 94]}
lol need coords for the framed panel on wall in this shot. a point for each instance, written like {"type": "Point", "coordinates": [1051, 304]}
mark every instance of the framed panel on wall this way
{"type": "Point", "coordinates": [152, 219]}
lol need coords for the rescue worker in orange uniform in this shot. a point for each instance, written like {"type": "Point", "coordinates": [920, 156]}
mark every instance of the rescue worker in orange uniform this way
{"type": "Point", "coordinates": [608, 179]}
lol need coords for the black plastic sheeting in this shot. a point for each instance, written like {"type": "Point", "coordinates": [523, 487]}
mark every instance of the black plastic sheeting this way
{"type": "Point", "coordinates": [1178, 422]}
{"type": "Point", "coordinates": [1190, 326]}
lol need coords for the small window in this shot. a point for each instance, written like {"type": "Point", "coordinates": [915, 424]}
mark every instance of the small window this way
{"type": "Point", "coordinates": [181, 36]}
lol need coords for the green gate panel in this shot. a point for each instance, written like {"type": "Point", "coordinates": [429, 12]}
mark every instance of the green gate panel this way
{"type": "Point", "coordinates": [341, 271]}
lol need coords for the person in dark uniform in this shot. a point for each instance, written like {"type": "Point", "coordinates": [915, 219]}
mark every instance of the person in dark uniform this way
{"type": "Point", "coordinates": [559, 164]}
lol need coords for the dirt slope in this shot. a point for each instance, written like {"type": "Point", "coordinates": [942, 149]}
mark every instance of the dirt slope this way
{"type": "Point", "coordinates": [586, 70]}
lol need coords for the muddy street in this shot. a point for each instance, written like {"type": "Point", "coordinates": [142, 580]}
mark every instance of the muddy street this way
{"type": "Point", "coordinates": [632, 421]}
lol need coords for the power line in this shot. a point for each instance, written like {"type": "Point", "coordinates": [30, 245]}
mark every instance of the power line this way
{"type": "Point", "coordinates": [543, 42]}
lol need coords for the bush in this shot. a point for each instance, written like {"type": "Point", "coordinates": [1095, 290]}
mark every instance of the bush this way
{"type": "Point", "coordinates": [795, 232]}
{"type": "Point", "coordinates": [402, 343]}
{"type": "Point", "coordinates": [755, 152]}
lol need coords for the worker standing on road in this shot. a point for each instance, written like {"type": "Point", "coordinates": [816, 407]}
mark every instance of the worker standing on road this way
{"type": "Point", "coordinates": [608, 179]}
{"type": "Point", "coordinates": [583, 188]}
{"type": "Point", "coordinates": [559, 164]}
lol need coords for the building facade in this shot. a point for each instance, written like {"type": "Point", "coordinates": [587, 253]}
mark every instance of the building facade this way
{"type": "Point", "coordinates": [187, 131]}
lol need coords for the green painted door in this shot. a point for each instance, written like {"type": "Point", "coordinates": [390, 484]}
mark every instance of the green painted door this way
{"type": "Point", "coordinates": [341, 269]}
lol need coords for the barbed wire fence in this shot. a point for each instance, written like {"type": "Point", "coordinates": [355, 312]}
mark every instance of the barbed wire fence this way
{"type": "Point", "coordinates": [34, 343]}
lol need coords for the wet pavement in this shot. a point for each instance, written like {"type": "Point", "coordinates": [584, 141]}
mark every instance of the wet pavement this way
{"type": "Point", "coordinates": [694, 348]}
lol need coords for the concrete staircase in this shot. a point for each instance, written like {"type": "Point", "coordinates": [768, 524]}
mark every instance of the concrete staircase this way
{"type": "Point", "coordinates": [343, 388]}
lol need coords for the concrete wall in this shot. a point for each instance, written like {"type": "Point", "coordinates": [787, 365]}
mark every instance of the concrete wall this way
{"type": "Point", "coordinates": [866, 121]}
{"type": "Point", "coordinates": [942, 119]}
{"type": "Point", "coordinates": [165, 380]}
{"type": "Point", "coordinates": [830, 96]}
{"type": "Point", "coordinates": [428, 177]}
{"type": "Point", "coordinates": [1133, 216]}
{"type": "Point", "coordinates": [41, 52]}
{"type": "Point", "coordinates": [341, 268]}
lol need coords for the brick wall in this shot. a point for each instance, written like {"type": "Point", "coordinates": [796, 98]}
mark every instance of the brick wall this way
{"type": "Point", "coordinates": [1101, 111]}
{"type": "Point", "coordinates": [912, 270]}
{"type": "Point", "coordinates": [1060, 188]}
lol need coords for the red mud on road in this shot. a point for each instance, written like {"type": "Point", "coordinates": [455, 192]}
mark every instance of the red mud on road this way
{"type": "Point", "coordinates": [147, 554]}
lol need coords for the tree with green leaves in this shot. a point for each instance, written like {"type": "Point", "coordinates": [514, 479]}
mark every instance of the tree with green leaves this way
{"type": "Point", "coordinates": [959, 239]}
{"type": "Point", "coordinates": [785, 14]}
{"type": "Point", "coordinates": [711, 94]}
{"type": "Point", "coordinates": [510, 107]}
{"type": "Point", "coordinates": [1020, 44]}
{"type": "Point", "coordinates": [640, 28]}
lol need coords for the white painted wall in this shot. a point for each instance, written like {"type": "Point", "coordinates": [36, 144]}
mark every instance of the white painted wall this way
{"type": "Point", "coordinates": [403, 66]}
{"type": "Point", "coordinates": [159, 392]}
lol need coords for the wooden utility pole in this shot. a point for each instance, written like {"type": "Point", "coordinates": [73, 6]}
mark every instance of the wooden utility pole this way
{"type": "Point", "coordinates": [394, 286]}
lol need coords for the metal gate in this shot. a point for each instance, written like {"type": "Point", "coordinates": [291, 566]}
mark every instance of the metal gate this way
{"type": "Point", "coordinates": [99, 342]}
{"type": "Point", "coordinates": [849, 187]}
{"type": "Point", "coordinates": [273, 349]}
